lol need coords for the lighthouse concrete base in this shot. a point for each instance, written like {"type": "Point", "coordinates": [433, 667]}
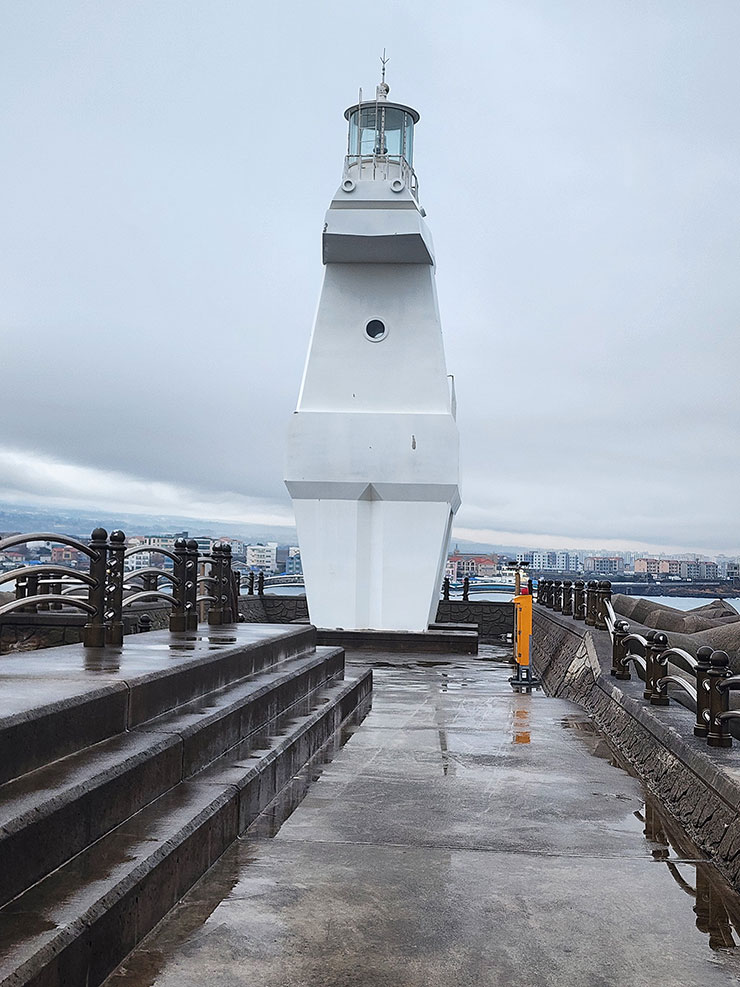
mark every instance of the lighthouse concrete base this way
{"type": "Point", "coordinates": [372, 563]}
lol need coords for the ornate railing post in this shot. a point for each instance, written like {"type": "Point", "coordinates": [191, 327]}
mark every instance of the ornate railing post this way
{"type": "Point", "coordinates": [703, 687]}
{"type": "Point", "coordinates": [619, 651]}
{"type": "Point", "coordinates": [530, 588]}
{"type": "Point", "coordinates": [114, 589]}
{"type": "Point", "coordinates": [549, 588]}
{"type": "Point", "coordinates": [261, 583]}
{"type": "Point", "coordinates": [719, 700]}
{"type": "Point", "coordinates": [214, 611]}
{"type": "Point", "coordinates": [603, 593]}
{"type": "Point", "coordinates": [227, 586]}
{"type": "Point", "coordinates": [250, 583]}
{"type": "Point", "coordinates": [32, 588]}
{"type": "Point", "coordinates": [466, 590]}
{"type": "Point", "coordinates": [445, 588]}
{"type": "Point", "coordinates": [94, 631]}
{"type": "Point", "coordinates": [567, 598]}
{"type": "Point", "coordinates": [178, 615]}
{"type": "Point", "coordinates": [191, 586]}
{"type": "Point", "coordinates": [649, 662]}
{"type": "Point", "coordinates": [557, 593]}
{"type": "Point", "coordinates": [591, 591]}
{"type": "Point", "coordinates": [579, 603]}
{"type": "Point", "coordinates": [43, 590]}
{"type": "Point", "coordinates": [658, 645]}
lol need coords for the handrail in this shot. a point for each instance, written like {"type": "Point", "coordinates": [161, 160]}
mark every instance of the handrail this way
{"type": "Point", "coordinates": [713, 680]}
{"type": "Point", "coordinates": [677, 680]}
{"type": "Point", "coordinates": [34, 570]}
{"type": "Point", "coordinates": [148, 594]}
{"type": "Point", "coordinates": [163, 573]}
{"type": "Point", "coordinates": [732, 683]}
{"type": "Point", "coordinates": [99, 592]}
{"type": "Point", "coordinates": [138, 549]}
{"type": "Point", "coordinates": [639, 660]}
{"type": "Point", "coordinates": [47, 598]}
{"type": "Point", "coordinates": [47, 536]}
{"type": "Point", "coordinates": [637, 638]}
{"type": "Point", "coordinates": [689, 659]}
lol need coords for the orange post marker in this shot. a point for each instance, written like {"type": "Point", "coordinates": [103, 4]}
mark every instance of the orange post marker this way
{"type": "Point", "coordinates": [522, 627]}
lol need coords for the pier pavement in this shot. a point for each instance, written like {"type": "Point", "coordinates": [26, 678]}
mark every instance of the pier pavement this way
{"type": "Point", "coordinates": [463, 835]}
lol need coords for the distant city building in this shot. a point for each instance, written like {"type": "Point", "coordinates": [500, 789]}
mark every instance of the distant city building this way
{"type": "Point", "coordinates": [544, 560]}
{"type": "Point", "coordinates": [459, 565]}
{"type": "Point", "coordinates": [237, 546]}
{"type": "Point", "coordinates": [669, 567]}
{"type": "Point", "coordinates": [262, 557]}
{"type": "Point", "coordinates": [699, 570]}
{"type": "Point", "coordinates": [159, 541]}
{"type": "Point", "coordinates": [650, 567]}
{"type": "Point", "coordinates": [66, 555]}
{"type": "Point", "coordinates": [567, 561]}
{"type": "Point", "coordinates": [293, 565]}
{"type": "Point", "coordinates": [603, 565]}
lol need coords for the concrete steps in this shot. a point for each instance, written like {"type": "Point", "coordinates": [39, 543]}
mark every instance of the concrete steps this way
{"type": "Point", "coordinates": [50, 706]}
{"type": "Point", "coordinates": [96, 846]}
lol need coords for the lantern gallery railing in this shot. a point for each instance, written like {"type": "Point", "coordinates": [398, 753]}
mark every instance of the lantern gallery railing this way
{"type": "Point", "coordinates": [106, 589]}
{"type": "Point", "coordinates": [706, 679]}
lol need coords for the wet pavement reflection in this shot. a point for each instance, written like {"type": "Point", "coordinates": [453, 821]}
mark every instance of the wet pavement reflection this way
{"type": "Point", "coordinates": [454, 833]}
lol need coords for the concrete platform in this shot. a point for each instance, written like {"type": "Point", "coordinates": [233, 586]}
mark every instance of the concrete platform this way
{"type": "Point", "coordinates": [464, 835]}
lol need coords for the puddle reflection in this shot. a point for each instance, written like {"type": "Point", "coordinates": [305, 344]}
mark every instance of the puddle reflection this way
{"type": "Point", "coordinates": [716, 905]}
{"type": "Point", "coordinates": [520, 727]}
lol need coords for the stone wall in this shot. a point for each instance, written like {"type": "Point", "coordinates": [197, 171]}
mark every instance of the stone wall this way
{"type": "Point", "coordinates": [30, 632]}
{"type": "Point", "coordinates": [699, 785]}
{"type": "Point", "coordinates": [273, 609]}
{"type": "Point", "coordinates": [493, 618]}
{"type": "Point", "coordinates": [27, 632]}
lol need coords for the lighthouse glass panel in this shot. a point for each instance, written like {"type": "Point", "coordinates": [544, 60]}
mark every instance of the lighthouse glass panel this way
{"type": "Point", "coordinates": [389, 131]}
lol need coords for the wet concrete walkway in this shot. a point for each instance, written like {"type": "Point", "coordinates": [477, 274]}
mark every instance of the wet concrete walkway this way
{"type": "Point", "coordinates": [464, 835]}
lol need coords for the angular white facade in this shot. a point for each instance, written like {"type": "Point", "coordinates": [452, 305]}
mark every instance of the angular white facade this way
{"type": "Point", "coordinates": [372, 462]}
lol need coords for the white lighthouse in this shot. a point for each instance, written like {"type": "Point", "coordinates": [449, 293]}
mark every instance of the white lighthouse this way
{"type": "Point", "coordinates": [372, 463]}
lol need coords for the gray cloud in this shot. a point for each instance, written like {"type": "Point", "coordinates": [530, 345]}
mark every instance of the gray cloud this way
{"type": "Point", "coordinates": [167, 167]}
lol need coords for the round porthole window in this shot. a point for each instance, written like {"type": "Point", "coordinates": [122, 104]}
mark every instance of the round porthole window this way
{"type": "Point", "coordinates": [375, 330]}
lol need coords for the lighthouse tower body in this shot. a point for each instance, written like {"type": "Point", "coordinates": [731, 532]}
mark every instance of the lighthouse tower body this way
{"type": "Point", "coordinates": [372, 464]}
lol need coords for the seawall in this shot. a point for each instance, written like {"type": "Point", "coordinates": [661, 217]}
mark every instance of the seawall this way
{"type": "Point", "coordinates": [698, 784]}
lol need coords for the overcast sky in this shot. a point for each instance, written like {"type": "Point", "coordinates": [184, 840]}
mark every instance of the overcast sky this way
{"type": "Point", "coordinates": [165, 167]}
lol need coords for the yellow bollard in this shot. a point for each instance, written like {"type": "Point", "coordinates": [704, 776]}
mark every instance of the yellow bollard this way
{"type": "Point", "coordinates": [523, 627]}
{"type": "Point", "coordinates": [522, 641]}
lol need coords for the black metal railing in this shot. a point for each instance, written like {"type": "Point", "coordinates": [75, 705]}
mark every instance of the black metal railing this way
{"type": "Point", "coordinates": [706, 679]}
{"type": "Point", "coordinates": [107, 589]}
